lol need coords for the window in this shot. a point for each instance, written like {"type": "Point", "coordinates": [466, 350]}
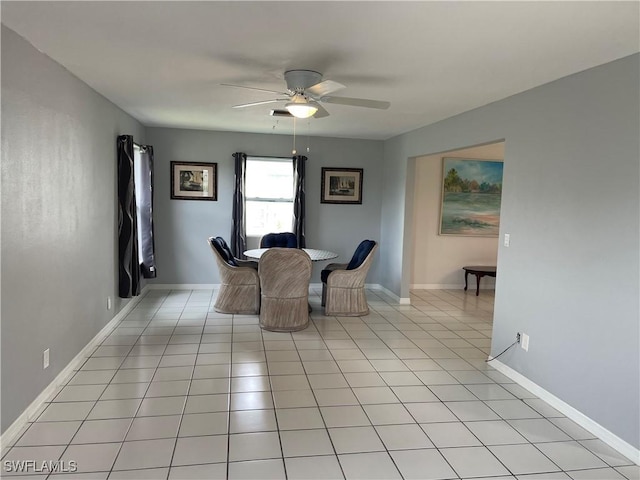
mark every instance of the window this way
{"type": "Point", "coordinates": [268, 195]}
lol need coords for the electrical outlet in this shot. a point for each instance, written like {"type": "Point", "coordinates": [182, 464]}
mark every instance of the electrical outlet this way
{"type": "Point", "coordinates": [525, 342]}
{"type": "Point", "coordinates": [518, 337]}
{"type": "Point", "coordinates": [45, 359]}
{"type": "Point", "coordinates": [108, 303]}
{"type": "Point", "coordinates": [507, 239]}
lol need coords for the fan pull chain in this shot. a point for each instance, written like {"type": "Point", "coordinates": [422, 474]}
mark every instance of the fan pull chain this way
{"type": "Point", "coordinates": [294, 136]}
{"type": "Point", "coordinates": [308, 134]}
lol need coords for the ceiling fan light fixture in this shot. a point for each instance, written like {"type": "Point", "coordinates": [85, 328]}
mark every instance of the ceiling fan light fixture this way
{"type": "Point", "coordinates": [302, 109]}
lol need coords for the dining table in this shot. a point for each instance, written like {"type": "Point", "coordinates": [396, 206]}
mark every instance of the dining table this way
{"type": "Point", "coordinates": [315, 254]}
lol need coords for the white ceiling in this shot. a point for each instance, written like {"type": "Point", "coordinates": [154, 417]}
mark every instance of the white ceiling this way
{"type": "Point", "coordinates": [162, 62]}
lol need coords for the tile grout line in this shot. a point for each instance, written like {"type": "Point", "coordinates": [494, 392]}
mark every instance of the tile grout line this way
{"type": "Point", "coordinates": [186, 398]}
{"type": "Point", "coordinates": [82, 422]}
{"type": "Point", "coordinates": [115, 460]}
{"type": "Point", "coordinates": [397, 315]}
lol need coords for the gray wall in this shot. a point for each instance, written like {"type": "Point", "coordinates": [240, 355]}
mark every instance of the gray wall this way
{"type": "Point", "coordinates": [59, 221]}
{"type": "Point", "coordinates": [571, 203]}
{"type": "Point", "coordinates": [183, 226]}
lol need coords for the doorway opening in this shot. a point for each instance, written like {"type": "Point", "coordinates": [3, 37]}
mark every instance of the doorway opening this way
{"type": "Point", "coordinates": [436, 258]}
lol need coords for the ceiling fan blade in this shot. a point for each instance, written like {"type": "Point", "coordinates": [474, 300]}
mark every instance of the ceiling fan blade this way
{"type": "Point", "coordinates": [357, 102]}
{"type": "Point", "coordinates": [321, 113]}
{"type": "Point", "coordinates": [253, 88]}
{"type": "Point", "coordinates": [264, 102]}
{"type": "Point", "coordinates": [324, 88]}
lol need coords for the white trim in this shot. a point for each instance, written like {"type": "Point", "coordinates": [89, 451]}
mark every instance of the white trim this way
{"type": "Point", "coordinates": [447, 286]}
{"type": "Point", "coordinates": [608, 437]}
{"type": "Point", "coordinates": [436, 286]}
{"type": "Point", "coordinates": [184, 286]}
{"type": "Point", "coordinates": [386, 291]}
{"type": "Point", "coordinates": [17, 426]}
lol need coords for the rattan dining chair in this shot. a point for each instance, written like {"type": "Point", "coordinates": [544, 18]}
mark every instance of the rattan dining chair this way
{"type": "Point", "coordinates": [284, 282]}
{"type": "Point", "coordinates": [240, 285]}
{"type": "Point", "coordinates": [343, 284]}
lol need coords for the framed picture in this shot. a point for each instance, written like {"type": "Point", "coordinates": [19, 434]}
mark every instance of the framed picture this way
{"type": "Point", "coordinates": [471, 196]}
{"type": "Point", "coordinates": [341, 185]}
{"type": "Point", "coordinates": [194, 181]}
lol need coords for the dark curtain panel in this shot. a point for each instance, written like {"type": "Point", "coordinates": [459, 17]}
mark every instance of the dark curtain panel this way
{"type": "Point", "coordinates": [129, 266]}
{"type": "Point", "coordinates": [299, 198]}
{"type": "Point", "coordinates": [238, 227]}
{"type": "Point", "coordinates": [144, 196]}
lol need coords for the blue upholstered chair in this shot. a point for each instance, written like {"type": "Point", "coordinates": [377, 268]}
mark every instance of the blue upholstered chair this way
{"type": "Point", "coordinates": [282, 240]}
{"type": "Point", "coordinates": [343, 283]}
{"type": "Point", "coordinates": [239, 281]}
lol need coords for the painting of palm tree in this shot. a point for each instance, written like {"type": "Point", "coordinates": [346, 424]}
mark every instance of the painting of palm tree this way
{"type": "Point", "coordinates": [471, 197]}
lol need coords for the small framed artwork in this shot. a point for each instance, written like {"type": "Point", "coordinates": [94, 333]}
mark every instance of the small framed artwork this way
{"type": "Point", "coordinates": [471, 197]}
{"type": "Point", "coordinates": [341, 185]}
{"type": "Point", "coordinates": [194, 181]}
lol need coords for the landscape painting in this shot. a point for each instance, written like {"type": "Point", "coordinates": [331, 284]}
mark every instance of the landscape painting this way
{"type": "Point", "coordinates": [471, 195]}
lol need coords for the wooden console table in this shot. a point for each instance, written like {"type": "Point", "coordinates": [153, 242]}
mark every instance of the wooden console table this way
{"type": "Point", "coordinates": [479, 272]}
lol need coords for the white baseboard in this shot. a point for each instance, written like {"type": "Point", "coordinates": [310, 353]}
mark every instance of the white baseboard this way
{"type": "Point", "coordinates": [380, 288]}
{"type": "Point", "coordinates": [448, 286]}
{"type": "Point", "coordinates": [611, 439]}
{"type": "Point", "coordinates": [436, 286]}
{"type": "Point", "coordinates": [386, 291]}
{"type": "Point", "coordinates": [17, 426]}
{"type": "Point", "coordinates": [184, 286]}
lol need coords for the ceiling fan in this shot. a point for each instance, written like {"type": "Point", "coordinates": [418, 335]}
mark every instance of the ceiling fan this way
{"type": "Point", "coordinates": [306, 91]}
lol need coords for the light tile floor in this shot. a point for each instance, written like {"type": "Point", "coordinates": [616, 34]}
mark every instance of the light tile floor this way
{"type": "Point", "coordinates": [178, 391]}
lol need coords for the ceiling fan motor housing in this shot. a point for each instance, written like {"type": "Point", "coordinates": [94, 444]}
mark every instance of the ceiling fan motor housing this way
{"type": "Point", "coordinates": [306, 91]}
{"type": "Point", "coordinates": [299, 80]}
